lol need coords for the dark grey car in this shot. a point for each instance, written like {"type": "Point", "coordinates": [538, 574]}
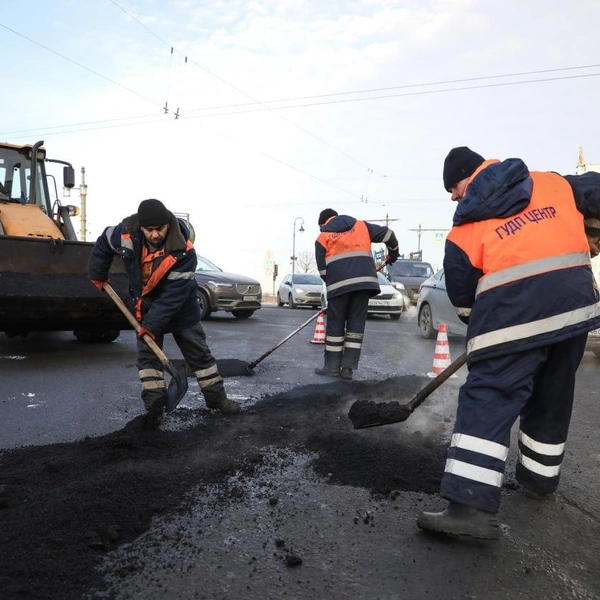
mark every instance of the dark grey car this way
{"type": "Point", "coordinates": [411, 273]}
{"type": "Point", "coordinates": [217, 290]}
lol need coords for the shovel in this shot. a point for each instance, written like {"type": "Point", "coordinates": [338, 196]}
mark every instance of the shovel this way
{"type": "Point", "coordinates": [178, 385]}
{"type": "Point", "coordinates": [365, 413]}
{"type": "Point", "coordinates": [250, 366]}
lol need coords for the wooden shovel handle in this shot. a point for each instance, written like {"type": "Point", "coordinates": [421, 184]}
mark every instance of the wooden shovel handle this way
{"type": "Point", "coordinates": [134, 322]}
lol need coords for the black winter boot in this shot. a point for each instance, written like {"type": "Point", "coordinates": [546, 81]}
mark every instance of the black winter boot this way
{"type": "Point", "coordinates": [217, 400]}
{"type": "Point", "coordinates": [154, 415]}
{"type": "Point", "coordinates": [331, 366]}
{"type": "Point", "coordinates": [327, 372]}
{"type": "Point", "coordinates": [459, 519]}
{"type": "Point", "coordinates": [346, 373]}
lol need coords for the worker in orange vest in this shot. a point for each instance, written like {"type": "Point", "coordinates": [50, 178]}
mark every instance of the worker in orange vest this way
{"type": "Point", "coordinates": [345, 262]}
{"type": "Point", "coordinates": [517, 269]}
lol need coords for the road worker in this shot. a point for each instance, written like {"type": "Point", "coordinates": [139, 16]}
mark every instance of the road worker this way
{"type": "Point", "coordinates": [517, 269]}
{"type": "Point", "coordinates": [345, 262]}
{"type": "Point", "coordinates": [160, 261]}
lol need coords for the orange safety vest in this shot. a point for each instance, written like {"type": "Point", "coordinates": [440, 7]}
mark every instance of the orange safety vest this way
{"type": "Point", "coordinates": [352, 241]}
{"type": "Point", "coordinates": [537, 286]}
{"type": "Point", "coordinates": [348, 259]}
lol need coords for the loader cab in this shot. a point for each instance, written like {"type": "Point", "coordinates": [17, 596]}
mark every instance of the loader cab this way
{"type": "Point", "coordinates": [16, 177]}
{"type": "Point", "coordinates": [24, 186]}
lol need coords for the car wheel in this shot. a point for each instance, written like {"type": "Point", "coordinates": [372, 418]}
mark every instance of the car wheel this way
{"type": "Point", "coordinates": [291, 301]}
{"type": "Point", "coordinates": [395, 316]}
{"type": "Point", "coordinates": [242, 314]}
{"type": "Point", "coordinates": [204, 303]}
{"type": "Point", "coordinates": [280, 302]}
{"type": "Point", "coordinates": [426, 322]}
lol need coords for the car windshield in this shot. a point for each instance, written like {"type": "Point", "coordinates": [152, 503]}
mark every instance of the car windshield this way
{"type": "Point", "coordinates": [383, 280]}
{"type": "Point", "coordinates": [206, 265]}
{"type": "Point", "coordinates": [410, 269]}
{"type": "Point", "coordinates": [307, 279]}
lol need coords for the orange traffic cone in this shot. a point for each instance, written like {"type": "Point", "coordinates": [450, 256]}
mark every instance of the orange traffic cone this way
{"type": "Point", "coordinates": [319, 335]}
{"type": "Point", "coordinates": [441, 355]}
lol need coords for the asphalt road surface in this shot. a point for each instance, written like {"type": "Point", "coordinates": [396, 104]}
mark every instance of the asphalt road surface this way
{"type": "Point", "coordinates": [285, 500]}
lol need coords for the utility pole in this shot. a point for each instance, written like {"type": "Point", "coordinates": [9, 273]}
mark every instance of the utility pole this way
{"type": "Point", "coordinates": [83, 197]}
{"type": "Point", "coordinates": [420, 231]}
{"type": "Point", "coordinates": [387, 220]}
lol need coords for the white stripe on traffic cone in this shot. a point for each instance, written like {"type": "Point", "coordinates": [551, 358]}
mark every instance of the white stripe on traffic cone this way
{"type": "Point", "coordinates": [319, 335]}
{"type": "Point", "coordinates": [441, 355]}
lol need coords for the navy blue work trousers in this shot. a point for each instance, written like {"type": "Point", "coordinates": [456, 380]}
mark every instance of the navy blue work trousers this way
{"type": "Point", "coordinates": [536, 385]}
{"type": "Point", "coordinates": [346, 319]}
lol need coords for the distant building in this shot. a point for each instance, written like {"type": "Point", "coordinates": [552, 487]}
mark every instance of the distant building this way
{"type": "Point", "coordinates": [583, 167]}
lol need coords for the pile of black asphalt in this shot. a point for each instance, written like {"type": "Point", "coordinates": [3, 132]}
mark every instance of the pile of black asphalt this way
{"type": "Point", "coordinates": [64, 506]}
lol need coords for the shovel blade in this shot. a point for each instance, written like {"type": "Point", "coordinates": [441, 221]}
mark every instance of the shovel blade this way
{"type": "Point", "coordinates": [364, 413]}
{"type": "Point", "coordinates": [178, 387]}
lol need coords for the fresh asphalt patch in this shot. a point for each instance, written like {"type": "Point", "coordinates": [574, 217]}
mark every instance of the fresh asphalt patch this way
{"type": "Point", "coordinates": [63, 507]}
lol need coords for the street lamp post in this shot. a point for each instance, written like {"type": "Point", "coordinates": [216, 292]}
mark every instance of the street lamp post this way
{"type": "Point", "coordinates": [294, 242]}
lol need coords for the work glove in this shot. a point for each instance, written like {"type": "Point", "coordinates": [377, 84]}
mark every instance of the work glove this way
{"type": "Point", "coordinates": [392, 256]}
{"type": "Point", "coordinates": [143, 331]}
{"type": "Point", "coordinates": [99, 283]}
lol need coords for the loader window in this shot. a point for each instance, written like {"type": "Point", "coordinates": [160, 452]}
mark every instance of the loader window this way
{"type": "Point", "coordinates": [11, 183]}
{"type": "Point", "coordinates": [15, 177]}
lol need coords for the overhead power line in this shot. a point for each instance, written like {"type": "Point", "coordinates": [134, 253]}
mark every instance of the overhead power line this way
{"type": "Point", "coordinates": [78, 64]}
{"type": "Point", "coordinates": [255, 106]}
{"type": "Point", "coordinates": [239, 90]}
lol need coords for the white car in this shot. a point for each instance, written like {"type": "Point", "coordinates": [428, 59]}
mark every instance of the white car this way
{"type": "Point", "coordinates": [593, 342]}
{"type": "Point", "coordinates": [390, 300]}
{"type": "Point", "coordinates": [434, 307]}
{"type": "Point", "coordinates": [300, 289]}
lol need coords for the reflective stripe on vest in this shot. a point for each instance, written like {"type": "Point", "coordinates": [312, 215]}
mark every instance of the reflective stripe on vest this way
{"type": "Point", "coordinates": [528, 330]}
{"type": "Point", "coordinates": [352, 254]}
{"type": "Point", "coordinates": [351, 281]}
{"type": "Point", "coordinates": [535, 267]}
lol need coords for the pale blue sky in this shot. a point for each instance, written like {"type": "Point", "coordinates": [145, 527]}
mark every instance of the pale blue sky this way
{"type": "Point", "coordinates": [90, 79]}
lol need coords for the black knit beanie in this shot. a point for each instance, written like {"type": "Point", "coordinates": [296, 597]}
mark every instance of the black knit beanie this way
{"type": "Point", "coordinates": [460, 163]}
{"type": "Point", "coordinates": [153, 213]}
{"type": "Point", "coordinates": [326, 214]}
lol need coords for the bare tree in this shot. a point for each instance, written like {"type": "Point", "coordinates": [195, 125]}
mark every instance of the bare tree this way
{"type": "Point", "coordinates": [306, 262]}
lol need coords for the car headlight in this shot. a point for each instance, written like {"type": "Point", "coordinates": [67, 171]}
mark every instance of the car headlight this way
{"type": "Point", "coordinates": [396, 296]}
{"type": "Point", "coordinates": [219, 284]}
